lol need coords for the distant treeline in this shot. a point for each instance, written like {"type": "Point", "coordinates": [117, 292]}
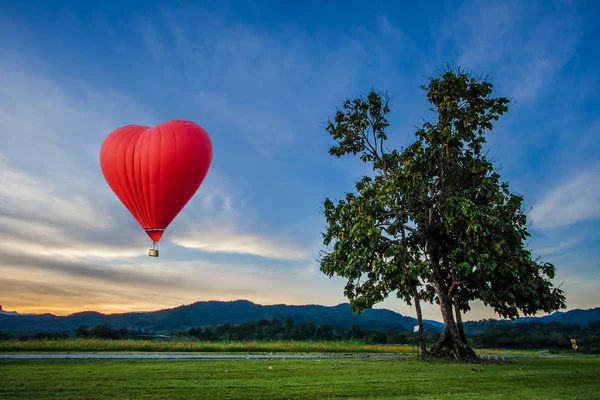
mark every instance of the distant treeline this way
{"type": "Point", "coordinates": [100, 331]}
{"type": "Point", "coordinates": [526, 335]}
{"type": "Point", "coordinates": [538, 335]}
{"type": "Point", "coordinates": [274, 329]}
{"type": "Point", "coordinates": [261, 330]}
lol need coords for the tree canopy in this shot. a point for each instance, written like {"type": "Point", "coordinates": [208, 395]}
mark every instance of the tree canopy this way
{"type": "Point", "coordinates": [434, 221]}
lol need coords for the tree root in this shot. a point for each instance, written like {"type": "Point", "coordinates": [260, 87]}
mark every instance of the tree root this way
{"type": "Point", "coordinates": [449, 347]}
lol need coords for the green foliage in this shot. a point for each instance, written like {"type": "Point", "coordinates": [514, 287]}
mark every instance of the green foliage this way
{"type": "Point", "coordinates": [102, 331]}
{"type": "Point", "coordinates": [247, 334]}
{"type": "Point", "coordinates": [265, 329]}
{"type": "Point", "coordinates": [434, 217]}
{"type": "Point", "coordinates": [272, 335]}
{"type": "Point", "coordinates": [538, 335]}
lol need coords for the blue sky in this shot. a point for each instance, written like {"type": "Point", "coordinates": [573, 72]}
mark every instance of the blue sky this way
{"type": "Point", "coordinates": [262, 78]}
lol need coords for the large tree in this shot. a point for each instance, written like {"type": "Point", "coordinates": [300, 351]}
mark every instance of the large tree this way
{"type": "Point", "coordinates": [433, 222]}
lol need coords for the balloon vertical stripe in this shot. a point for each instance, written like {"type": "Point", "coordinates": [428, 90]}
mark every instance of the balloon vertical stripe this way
{"type": "Point", "coordinates": [155, 171]}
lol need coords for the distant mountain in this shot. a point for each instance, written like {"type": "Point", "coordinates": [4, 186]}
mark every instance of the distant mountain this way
{"type": "Point", "coordinates": [207, 313]}
{"type": "Point", "coordinates": [214, 313]}
{"type": "Point", "coordinates": [581, 317]}
{"type": "Point", "coordinates": [2, 312]}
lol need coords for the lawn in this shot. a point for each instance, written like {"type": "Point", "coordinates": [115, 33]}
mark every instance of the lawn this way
{"type": "Point", "coordinates": [410, 377]}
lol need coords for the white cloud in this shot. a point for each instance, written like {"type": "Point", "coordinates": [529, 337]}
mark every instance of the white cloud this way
{"type": "Point", "coordinates": [22, 195]}
{"type": "Point", "coordinates": [229, 241]}
{"type": "Point", "coordinates": [559, 246]}
{"type": "Point", "coordinates": [56, 127]}
{"type": "Point", "coordinates": [53, 198]}
{"type": "Point", "coordinates": [44, 285]}
{"type": "Point", "coordinates": [218, 227]}
{"type": "Point", "coordinates": [581, 292]}
{"type": "Point", "coordinates": [575, 200]}
{"type": "Point", "coordinates": [37, 218]}
{"type": "Point", "coordinates": [526, 47]}
{"type": "Point", "coordinates": [266, 88]}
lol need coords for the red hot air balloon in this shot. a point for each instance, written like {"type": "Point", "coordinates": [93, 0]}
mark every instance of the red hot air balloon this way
{"type": "Point", "coordinates": [156, 171]}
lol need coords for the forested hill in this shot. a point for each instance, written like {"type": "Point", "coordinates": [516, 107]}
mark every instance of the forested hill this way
{"type": "Point", "coordinates": [581, 317]}
{"type": "Point", "coordinates": [578, 316]}
{"type": "Point", "coordinates": [208, 313]}
{"type": "Point", "coordinates": [214, 313]}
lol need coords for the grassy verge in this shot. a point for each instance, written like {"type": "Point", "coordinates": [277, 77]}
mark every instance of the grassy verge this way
{"type": "Point", "coordinates": [412, 377]}
{"type": "Point", "coordinates": [199, 346]}
{"type": "Point", "coordinates": [179, 346]}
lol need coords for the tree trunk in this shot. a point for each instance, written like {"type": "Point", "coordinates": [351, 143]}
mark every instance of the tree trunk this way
{"type": "Point", "coordinates": [420, 322]}
{"type": "Point", "coordinates": [450, 342]}
{"type": "Point", "coordinates": [459, 323]}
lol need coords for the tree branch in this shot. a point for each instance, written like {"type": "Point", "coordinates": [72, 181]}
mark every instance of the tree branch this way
{"type": "Point", "coordinates": [412, 230]}
{"type": "Point", "coordinates": [370, 147]}
{"type": "Point", "coordinates": [454, 286]}
{"type": "Point", "coordinates": [385, 240]}
{"type": "Point", "coordinates": [388, 214]}
{"type": "Point", "coordinates": [402, 227]}
{"type": "Point", "coordinates": [431, 209]}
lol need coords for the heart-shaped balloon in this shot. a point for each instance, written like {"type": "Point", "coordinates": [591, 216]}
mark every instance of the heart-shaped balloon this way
{"type": "Point", "coordinates": [156, 171]}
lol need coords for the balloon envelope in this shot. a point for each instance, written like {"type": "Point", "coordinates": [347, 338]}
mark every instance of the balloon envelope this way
{"type": "Point", "coordinates": [156, 171]}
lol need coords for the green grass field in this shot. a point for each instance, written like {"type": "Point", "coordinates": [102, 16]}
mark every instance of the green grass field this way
{"type": "Point", "coordinates": [183, 345]}
{"type": "Point", "coordinates": [410, 377]}
{"type": "Point", "coordinates": [186, 345]}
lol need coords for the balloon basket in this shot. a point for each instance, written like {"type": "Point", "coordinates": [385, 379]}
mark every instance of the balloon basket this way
{"type": "Point", "coordinates": [153, 252]}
